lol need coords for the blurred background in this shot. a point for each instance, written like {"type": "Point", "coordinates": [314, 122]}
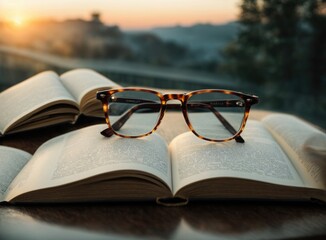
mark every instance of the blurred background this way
{"type": "Point", "coordinates": [275, 49]}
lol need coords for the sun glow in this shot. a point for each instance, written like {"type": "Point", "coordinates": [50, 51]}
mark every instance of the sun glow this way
{"type": "Point", "coordinates": [18, 21]}
{"type": "Point", "coordinates": [127, 14]}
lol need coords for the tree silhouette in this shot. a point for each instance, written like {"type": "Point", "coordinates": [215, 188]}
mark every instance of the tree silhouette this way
{"type": "Point", "coordinates": [243, 56]}
{"type": "Point", "coordinates": [282, 44]}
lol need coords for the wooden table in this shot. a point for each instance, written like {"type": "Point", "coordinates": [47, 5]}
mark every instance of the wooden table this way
{"type": "Point", "coordinates": [198, 220]}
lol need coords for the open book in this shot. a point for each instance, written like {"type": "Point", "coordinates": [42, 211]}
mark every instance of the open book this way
{"type": "Point", "coordinates": [46, 99]}
{"type": "Point", "coordinates": [282, 158]}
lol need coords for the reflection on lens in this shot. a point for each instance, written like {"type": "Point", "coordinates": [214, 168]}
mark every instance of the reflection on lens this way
{"type": "Point", "coordinates": [215, 115]}
{"type": "Point", "coordinates": [134, 113]}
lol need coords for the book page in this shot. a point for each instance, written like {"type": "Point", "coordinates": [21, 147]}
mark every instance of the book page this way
{"type": "Point", "coordinates": [11, 161]}
{"type": "Point", "coordinates": [260, 158]}
{"type": "Point", "coordinates": [84, 153]}
{"type": "Point", "coordinates": [305, 144]}
{"type": "Point", "coordinates": [30, 95]}
{"type": "Point", "coordinates": [79, 82]}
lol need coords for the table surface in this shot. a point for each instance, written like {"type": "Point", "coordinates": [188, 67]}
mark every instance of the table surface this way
{"type": "Point", "coordinates": [197, 220]}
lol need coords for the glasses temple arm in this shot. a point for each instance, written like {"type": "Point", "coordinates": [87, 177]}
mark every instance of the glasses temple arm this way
{"type": "Point", "coordinates": [225, 122]}
{"type": "Point", "coordinates": [108, 132]}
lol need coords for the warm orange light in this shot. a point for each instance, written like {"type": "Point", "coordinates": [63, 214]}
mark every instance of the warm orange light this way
{"type": "Point", "coordinates": [127, 14]}
{"type": "Point", "coordinates": [18, 21]}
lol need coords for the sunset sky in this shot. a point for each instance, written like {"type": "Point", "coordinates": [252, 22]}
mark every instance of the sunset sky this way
{"type": "Point", "coordinates": [128, 14]}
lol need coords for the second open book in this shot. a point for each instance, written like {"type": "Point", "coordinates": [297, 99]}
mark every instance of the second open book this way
{"type": "Point", "coordinates": [282, 158]}
{"type": "Point", "coordinates": [47, 98]}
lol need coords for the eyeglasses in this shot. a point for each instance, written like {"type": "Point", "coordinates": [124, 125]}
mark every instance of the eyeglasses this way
{"type": "Point", "coordinates": [211, 114]}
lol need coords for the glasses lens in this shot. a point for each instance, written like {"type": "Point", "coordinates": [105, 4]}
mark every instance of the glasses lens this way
{"type": "Point", "coordinates": [216, 115]}
{"type": "Point", "coordinates": [134, 113]}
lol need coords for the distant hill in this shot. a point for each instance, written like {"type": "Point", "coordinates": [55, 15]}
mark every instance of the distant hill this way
{"type": "Point", "coordinates": [207, 38]}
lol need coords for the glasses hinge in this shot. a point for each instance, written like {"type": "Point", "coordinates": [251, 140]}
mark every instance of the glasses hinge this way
{"type": "Point", "coordinates": [101, 96]}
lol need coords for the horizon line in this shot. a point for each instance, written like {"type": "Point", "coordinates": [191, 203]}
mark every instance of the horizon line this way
{"type": "Point", "coordinates": [140, 28]}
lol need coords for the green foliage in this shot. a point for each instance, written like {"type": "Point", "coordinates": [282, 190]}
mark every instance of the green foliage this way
{"type": "Point", "coordinates": [281, 53]}
{"type": "Point", "coordinates": [281, 42]}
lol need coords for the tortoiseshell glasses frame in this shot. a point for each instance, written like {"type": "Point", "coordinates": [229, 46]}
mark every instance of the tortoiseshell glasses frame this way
{"type": "Point", "coordinates": [242, 100]}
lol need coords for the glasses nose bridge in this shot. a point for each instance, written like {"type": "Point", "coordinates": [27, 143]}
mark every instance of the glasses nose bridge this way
{"type": "Point", "coordinates": [174, 96]}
